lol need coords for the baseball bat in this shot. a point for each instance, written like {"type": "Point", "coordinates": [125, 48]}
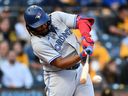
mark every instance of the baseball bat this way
{"type": "Point", "coordinates": [85, 70]}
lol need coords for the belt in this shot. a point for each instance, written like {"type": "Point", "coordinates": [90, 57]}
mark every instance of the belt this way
{"type": "Point", "coordinates": [73, 67]}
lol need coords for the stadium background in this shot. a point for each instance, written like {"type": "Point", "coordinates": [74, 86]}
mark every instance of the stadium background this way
{"type": "Point", "coordinates": [110, 33]}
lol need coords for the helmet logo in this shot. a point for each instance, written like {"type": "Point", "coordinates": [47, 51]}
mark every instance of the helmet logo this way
{"type": "Point", "coordinates": [38, 16]}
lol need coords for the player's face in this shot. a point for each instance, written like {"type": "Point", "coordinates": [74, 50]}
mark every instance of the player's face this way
{"type": "Point", "coordinates": [42, 30]}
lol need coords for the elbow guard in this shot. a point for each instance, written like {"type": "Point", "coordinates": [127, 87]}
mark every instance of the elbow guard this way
{"type": "Point", "coordinates": [84, 25]}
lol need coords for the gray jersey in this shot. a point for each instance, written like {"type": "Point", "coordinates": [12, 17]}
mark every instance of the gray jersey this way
{"type": "Point", "coordinates": [60, 43]}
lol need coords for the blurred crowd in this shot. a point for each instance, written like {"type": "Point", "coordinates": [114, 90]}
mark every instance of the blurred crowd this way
{"type": "Point", "coordinates": [20, 68]}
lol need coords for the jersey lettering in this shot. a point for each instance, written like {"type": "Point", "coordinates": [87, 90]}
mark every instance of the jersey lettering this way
{"type": "Point", "coordinates": [62, 38]}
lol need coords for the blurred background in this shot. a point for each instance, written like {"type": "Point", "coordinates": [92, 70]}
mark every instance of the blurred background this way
{"type": "Point", "coordinates": [110, 58]}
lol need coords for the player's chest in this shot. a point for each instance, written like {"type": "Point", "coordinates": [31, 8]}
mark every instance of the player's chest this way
{"type": "Point", "coordinates": [63, 40]}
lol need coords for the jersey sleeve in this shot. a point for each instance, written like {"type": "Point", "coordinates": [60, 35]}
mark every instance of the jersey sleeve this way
{"type": "Point", "coordinates": [68, 19]}
{"type": "Point", "coordinates": [45, 52]}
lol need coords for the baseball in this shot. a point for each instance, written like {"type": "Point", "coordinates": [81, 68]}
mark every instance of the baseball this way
{"type": "Point", "coordinates": [97, 79]}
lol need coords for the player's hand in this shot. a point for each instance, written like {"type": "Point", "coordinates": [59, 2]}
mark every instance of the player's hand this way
{"type": "Point", "coordinates": [83, 55]}
{"type": "Point", "coordinates": [87, 41]}
{"type": "Point", "coordinates": [89, 50]}
{"type": "Point", "coordinates": [87, 44]}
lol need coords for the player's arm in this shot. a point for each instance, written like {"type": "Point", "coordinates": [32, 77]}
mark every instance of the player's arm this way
{"type": "Point", "coordinates": [68, 19]}
{"type": "Point", "coordinates": [69, 61]}
{"type": "Point", "coordinates": [66, 62]}
{"type": "Point", "coordinates": [84, 24]}
{"type": "Point", "coordinates": [48, 54]}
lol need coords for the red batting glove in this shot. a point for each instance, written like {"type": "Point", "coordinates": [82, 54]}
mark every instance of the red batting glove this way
{"type": "Point", "coordinates": [84, 25]}
{"type": "Point", "coordinates": [83, 55]}
{"type": "Point", "coordinates": [87, 42]}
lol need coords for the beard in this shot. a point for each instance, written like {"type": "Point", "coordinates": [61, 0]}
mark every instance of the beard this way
{"type": "Point", "coordinates": [41, 32]}
{"type": "Point", "coordinates": [44, 33]}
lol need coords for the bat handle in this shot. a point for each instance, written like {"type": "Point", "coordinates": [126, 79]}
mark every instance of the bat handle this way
{"type": "Point", "coordinates": [87, 59]}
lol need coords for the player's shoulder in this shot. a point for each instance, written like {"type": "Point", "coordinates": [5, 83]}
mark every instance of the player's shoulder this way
{"type": "Point", "coordinates": [37, 41]}
{"type": "Point", "coordinates": [56, 16]}
{"type": "Point", "coordinates": [56, 12]}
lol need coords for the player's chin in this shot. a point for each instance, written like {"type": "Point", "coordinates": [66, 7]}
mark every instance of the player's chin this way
{"type": "Point", "coordinates": [44, 33]}
{"type": "Point", "coordinates": [41, 33]}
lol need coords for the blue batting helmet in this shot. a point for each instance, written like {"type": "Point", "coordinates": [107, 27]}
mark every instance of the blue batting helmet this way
{"type": "Point", "coordinates": [35, 16]}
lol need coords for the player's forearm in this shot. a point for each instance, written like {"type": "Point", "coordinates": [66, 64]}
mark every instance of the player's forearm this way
{"type": "Point", "coordinates": [66, 62]}
{"type": "Point", "coordinates": [84, 25]}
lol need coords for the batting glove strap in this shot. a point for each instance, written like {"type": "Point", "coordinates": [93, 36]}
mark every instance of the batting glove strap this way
{"type": "Point", "coordinates": [87, 41]}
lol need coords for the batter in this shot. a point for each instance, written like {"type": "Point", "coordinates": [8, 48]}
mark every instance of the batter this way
{"type": "Point", "coordinates": [58, 50]}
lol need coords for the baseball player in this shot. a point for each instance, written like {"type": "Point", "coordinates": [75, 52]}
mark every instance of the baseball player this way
{"type": "Point", "coordinates": [58, 50]}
